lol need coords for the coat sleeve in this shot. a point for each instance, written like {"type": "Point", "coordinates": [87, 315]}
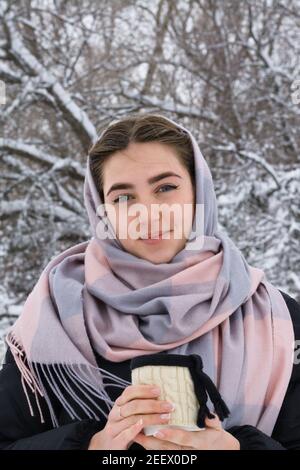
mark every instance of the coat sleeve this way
{"type": "Point", "coordinates": [21, 431]}
{"type": "Point", "coordinates": [286, 432]}
{"type": "Point", "coordinates": [251, 438]}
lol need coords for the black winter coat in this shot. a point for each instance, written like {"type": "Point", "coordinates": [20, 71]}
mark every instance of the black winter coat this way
{"type": "Point", "coordinates": [20, 430]}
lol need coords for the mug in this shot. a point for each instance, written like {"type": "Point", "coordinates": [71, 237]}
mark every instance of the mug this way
{"type": "Point", "coordinates": [182, 382]}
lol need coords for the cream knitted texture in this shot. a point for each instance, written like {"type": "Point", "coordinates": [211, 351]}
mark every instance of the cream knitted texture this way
{"type": "Point", "coordinates": [176, 386]}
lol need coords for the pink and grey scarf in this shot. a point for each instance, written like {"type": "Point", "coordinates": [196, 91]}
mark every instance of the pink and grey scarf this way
{"type": "Point", "coordinates": [209, 301]}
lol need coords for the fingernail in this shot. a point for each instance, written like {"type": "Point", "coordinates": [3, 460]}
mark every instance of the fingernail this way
{"type": "Point", "coordinates": [159, 434]}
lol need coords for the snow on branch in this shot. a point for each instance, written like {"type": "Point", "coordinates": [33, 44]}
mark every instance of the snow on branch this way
{"type": "Point", "coordinates": [231, 147]}
{"type": "Point", "coordinates": [9, 75]}
{"type": "Point", "coordinates": [175, 108]}
{"type": "Point", "coordinates": [262, 162]}
{"type": "Point", "coordinates": [76, 117]}
{"type": "Point", "coordinates": [32, 152]}
{"type": "Point", "coordinates": [8, 208]}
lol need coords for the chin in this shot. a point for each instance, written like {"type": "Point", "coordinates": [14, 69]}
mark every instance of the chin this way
{"type": "Point", "coordinates": [154, 255]}
{"type": "Point", "coordinates": [157, 258]}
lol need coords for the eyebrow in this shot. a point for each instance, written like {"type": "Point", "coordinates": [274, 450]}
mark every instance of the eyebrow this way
{"type": "Point", "coordinates": [151, 180]}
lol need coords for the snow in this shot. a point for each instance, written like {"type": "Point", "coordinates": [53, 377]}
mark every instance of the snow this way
{"type": "Point", "coordinates": [63, 98]}
{"type": "Point", "coordinates": [33, 152]}
{"type": "Point", "coordinates": [9, 312]}
{"type": "Point", "coordinates": [71, 70]}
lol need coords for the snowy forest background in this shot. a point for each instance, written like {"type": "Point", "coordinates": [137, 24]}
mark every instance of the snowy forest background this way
{"type": "Point", "coordinates": [225, 69]}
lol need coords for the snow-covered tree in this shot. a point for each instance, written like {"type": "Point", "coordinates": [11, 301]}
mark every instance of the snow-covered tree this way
{"type": "Point", "coordinates": [224, 69]}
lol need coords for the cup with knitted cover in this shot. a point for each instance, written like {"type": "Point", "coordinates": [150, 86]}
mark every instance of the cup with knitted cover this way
{"type": "Point", "coordinates": [182, 381]}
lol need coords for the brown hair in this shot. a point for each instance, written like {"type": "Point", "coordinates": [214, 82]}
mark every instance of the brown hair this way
{"type": "Point", "coordinates": [146, 127]}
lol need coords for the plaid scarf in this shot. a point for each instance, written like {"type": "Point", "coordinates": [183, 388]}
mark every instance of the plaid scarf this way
{"type": "Point", "coordinates": [95, 296]}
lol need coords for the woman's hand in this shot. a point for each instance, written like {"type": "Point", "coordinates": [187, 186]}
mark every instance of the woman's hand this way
{"type": "Point", "coordinates": [214, 437]}
{"type": "Point", "coordinates": [136, 403]}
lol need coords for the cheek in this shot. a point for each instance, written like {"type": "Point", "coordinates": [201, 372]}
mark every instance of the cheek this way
{"type": "Point", "coordinates": [126, 227]}
{"type": "Point", "coordinates": [183, 219]}
{"type": "Point", "coordinates": [119, 219]}
{"type": "Point", "coordinates": [189, 207]}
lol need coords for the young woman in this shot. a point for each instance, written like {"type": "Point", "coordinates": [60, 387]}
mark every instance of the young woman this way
{"type": "Point", "coordinates": [160, 278]}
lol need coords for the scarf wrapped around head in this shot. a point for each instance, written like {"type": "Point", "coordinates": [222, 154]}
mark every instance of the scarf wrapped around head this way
{"type": "Point", "coordinates": [207, 301]}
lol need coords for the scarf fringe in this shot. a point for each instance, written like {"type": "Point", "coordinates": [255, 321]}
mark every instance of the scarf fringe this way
{"type": "Point", "coordinates": [60, 379]}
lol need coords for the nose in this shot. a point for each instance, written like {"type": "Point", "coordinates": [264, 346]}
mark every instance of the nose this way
{"type": "Point", "coordinates": [150, 218]}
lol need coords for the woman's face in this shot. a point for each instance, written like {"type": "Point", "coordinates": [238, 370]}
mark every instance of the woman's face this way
{"type": "Point", "coordinates": [139, 170]}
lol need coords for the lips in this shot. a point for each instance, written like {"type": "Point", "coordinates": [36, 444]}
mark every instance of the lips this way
{"type": "Point", "coordinates": [156, 236]}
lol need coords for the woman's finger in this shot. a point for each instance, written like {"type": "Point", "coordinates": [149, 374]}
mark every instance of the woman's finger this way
{"type": "Point", "coordinates": [214, 423]}
{"type": "Point", "coordinates": [153, 443]}
{"type": "Point", "coordinates": [137, 391]}
{"type": "Point", "coordinates": [116, 425]}
{"type": "Point", "coordinates": [128, 435]}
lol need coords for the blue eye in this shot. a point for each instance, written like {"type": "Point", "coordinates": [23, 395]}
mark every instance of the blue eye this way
{"type": "Point", "coordinates": [168, 186]}
{"type": "Point", "coordinates": [118, 199]}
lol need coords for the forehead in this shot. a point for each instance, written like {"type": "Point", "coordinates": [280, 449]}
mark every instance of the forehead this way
{"type": "Point", "coordinates": [142, 157]}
